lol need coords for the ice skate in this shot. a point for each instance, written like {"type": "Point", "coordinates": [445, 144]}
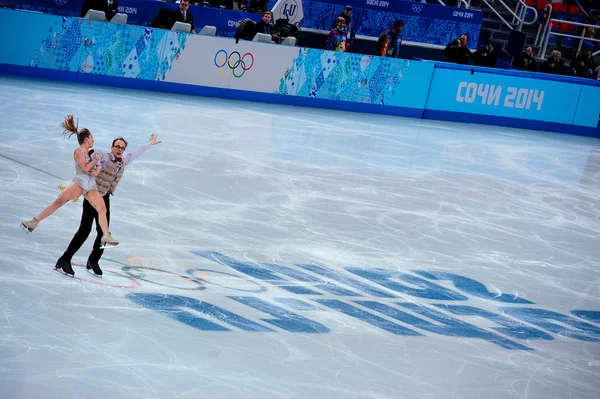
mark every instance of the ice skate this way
{"type": "Point", "coordinates": [65, 266]}
{"type": "Point", "coordinates": [107, 241]}
{"type": "Point", "coordinates": [95, 267]}
{"type": "Point", "coordinates": [29, 225]}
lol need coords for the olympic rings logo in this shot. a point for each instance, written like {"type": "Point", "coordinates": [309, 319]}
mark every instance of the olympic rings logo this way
{"type": "Point", "coordinates": [234, 61]}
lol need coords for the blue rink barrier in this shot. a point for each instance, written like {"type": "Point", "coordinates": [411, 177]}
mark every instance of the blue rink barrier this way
{"type": "Point", "coordinates": [138, 57]}
{"type": "Point", "coordinates": [512, 98]}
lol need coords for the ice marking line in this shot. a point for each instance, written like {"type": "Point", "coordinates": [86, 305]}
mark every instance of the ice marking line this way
{"type": "Point", "coordinates": [261, 288]}
{"type": "Point", "coordinates": [135, 283]}
{"type": "Point", "coordinates": [142, 275]}
{"type": "Point", "coordinates": [199, 286]}
{"type": "Point", "coordinates": [133, 261]}
{"type": "Point", "coordinates": [33, 167]}
{"type": "Point", "coordinates": [16, 171]}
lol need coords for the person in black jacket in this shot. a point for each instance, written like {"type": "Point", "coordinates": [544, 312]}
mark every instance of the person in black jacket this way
{"type": "Point", "coordinates": [486, 56]}
{"type": "Point", "coordinates": [264, 25]}
{"type": "Point", "coordinates": [346, 14]}
{"type": "Point", "coordinates": [457, 50]}
{"type": "Point", "coordinates": [525, 61]}
{"type": "Point", "coordinates": [183, 14]}
{"type": "Point", "coordinates": [110, 7]}
{"type": "Point", "coordinates": [584, 65]}
{"type": "Point", "coordinates": [554, 64]}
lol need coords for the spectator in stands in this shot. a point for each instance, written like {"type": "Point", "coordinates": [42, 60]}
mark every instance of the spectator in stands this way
{"type": "Point", "coordinates": [336, 41]}
{"type": "Point", "coordinates": [584, 65]}
{"type": "Point", "coordinates": [346, 14]}
{"type": "Point", "coordinates": [388, 44]}
{"type": "Point", "coordinates": [264, 25]}
{"type": "Point", "coordinates": [486, 56]}
{"type": "Point", "coordinates": [457, 50]}
{"type": "Point", "coordinates": [348, 28]}
{"type": "Point", "coordinates": [183, 15]}
{"type": "Point", "coordinates": [525, 61]}
{"type": "Point", "coordinates": [109, 7]}
{"type": "Point", "coordinates": [554, 64]}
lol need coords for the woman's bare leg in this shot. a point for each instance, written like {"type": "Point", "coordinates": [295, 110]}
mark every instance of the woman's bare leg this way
{"type": "Point", "coordinates": [97, 202]}
{"type": "Point", "coordinates": [68, 194]}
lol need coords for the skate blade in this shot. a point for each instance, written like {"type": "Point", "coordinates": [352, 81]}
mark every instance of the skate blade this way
{"type": "Point", "coordinates": [108, 246]}
{"type": "Point", "coordinates": [25, 229]}
{"type": "Point", "coordinates": [90, 271]}
{"type": "Point", "coordinates": [60, 271]}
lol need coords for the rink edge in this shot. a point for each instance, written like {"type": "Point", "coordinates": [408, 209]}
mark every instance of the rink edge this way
{"type": "Point", "coordinates": [205, 91]}
{"type": "Point", "coordinates": [273, 98]}
{"type": "Point", "coordinates": [518, 123]}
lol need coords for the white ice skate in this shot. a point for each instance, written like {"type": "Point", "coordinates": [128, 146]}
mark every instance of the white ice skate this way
{"type": "Point", "coordinates": [107, 241]}
{"type": "Point", "coordinates": [29, 225]}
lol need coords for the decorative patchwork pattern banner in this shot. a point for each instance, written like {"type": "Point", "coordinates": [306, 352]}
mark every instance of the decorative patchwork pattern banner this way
{"type": "Point", "coordinates": [358, 78]}
{"type": "Point", "coordinates": [86, 46]}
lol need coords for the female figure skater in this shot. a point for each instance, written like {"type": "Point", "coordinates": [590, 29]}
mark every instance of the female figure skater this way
{"type": "Point", "coordinates": [83, 183]}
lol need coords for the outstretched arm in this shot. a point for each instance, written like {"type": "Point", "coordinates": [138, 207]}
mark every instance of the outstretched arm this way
{"type": "Point", "coordinates": [129, 158]}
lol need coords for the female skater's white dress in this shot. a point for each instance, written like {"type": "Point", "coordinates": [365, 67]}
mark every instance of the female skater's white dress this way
{"type": "Point", "coordinates": [84, 180]}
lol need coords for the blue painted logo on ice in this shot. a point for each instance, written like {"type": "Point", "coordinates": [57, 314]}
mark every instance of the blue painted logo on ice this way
{"type": "Point", "coordinates": [370, 295]}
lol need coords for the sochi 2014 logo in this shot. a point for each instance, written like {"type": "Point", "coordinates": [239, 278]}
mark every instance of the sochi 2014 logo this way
{"type": "Point", "coordinates": [233, 64]}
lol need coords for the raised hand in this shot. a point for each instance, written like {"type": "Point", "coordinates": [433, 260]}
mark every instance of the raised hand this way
{"type": "Point", "coordinates": [154, 139]}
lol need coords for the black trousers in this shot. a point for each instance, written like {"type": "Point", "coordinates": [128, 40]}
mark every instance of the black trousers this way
{"type": "Point", "coordinates": [88, 217]}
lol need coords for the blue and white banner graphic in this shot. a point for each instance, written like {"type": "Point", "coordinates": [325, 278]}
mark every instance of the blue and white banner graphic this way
{"type": "Point", "coordinates": [462, 91]}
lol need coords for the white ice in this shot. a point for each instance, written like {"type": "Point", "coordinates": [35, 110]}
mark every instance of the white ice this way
{"type": "Point", "coordinates": [516, 210]}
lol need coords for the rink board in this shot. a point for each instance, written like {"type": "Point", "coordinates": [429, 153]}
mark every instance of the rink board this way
{"type": "Point", "coordinates": [202, 65]}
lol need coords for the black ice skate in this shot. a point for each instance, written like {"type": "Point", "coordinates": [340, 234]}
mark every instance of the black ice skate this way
{"type": "Point", "coordinates": [65, 266]}
{"type": "Point", "coordinates": [95, 267]}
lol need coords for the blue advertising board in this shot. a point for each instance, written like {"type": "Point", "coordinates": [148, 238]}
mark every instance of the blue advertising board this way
{"type": "Point", "coordinates": [461, 91]}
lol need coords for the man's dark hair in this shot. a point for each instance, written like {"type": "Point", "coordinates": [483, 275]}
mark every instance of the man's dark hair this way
{"type": "Point", "coordinates": [119, 139]}
{"type": "Point", "coordinates": [397, 24]}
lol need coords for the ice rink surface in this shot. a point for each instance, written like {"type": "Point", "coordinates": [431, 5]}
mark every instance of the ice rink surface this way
{"type": "Point", "coordinates": [280, 252]}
